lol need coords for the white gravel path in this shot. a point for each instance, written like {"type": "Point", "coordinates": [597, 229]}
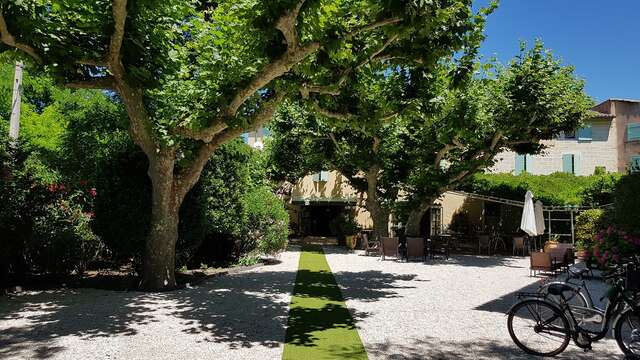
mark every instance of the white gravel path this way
{"type": "Point", "coordinates": [440, 310]}
{"type": "Point", "coordinates": [237, 316]}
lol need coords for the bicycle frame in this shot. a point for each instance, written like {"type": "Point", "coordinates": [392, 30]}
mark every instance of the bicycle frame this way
{"type": "Point", "coordinates": [615, 306]}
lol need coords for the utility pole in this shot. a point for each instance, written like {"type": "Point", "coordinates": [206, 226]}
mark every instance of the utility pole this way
{"type": "Point", "coordinates": [14, 123]}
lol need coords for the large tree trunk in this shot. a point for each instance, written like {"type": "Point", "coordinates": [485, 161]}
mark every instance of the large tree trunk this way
{"type": "Point", "coordinates": [379, 215]}
{"type": "Point", "coordinates": [158, 271]}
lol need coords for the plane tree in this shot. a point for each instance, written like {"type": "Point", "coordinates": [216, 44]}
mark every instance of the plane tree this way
{"type": "Point", "coordinates": [404, 136]}
{"type": "Point", "coordinates": [193, 75]}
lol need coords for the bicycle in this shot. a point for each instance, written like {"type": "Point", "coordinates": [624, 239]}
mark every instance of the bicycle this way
{"type": "Point", "coordinates": [543, 327]}
{"type": "Point", "coordinates": [576, 294]}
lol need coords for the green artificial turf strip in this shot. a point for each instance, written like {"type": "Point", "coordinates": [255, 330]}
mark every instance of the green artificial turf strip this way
{"type": "Point", "coordinates": [319, 326]}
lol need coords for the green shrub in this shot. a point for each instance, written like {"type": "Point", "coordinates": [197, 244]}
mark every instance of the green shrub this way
{"type": "Point", "coordinates": [612, 245]}
{"type": "Point", "coordinates": [600, 191]}
{"type": "Point", "coordinates": [343, 225]}
{"type": "Point", "coordinates": [62, 240]}
{"type": "Point", "coordinates": [588, 223]}
{"type": "Point", "coordinates": [627, 203]}
{"type": "Point", "coordinates": [266, 222]}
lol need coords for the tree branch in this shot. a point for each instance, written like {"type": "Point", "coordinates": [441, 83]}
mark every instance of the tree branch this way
{"type": "Point", "coordinates": [334, 89]}
{"type": "Point", "coordinates": [7, 38]}
{"type": "Point", "coordinates": [331, 114]}
{"type": "Point", "coordinates": [97, 83]}
{"type": "Point", "coordinates": [287, 25]}
{"type": "Point", "coordinates": [189, 177]}
{"type": "Point", "coordinates": [91, 62]}
{"type": "Point", "coordinates": [119, 10]}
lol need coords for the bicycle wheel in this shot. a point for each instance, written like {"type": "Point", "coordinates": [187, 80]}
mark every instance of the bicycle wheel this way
{"type": "Point", "coordinates": [539, 328]}
{"type": "Point", "coordinates": [627, 332]}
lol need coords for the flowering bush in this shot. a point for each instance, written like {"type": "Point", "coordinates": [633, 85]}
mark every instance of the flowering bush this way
{"type": "Point", "coordinates": [611, 245]}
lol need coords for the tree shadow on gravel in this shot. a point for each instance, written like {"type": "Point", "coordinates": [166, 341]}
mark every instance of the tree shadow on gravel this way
{"type": "Point", "coordinates": [429, 348]}
{"type": "Point", "coordinates": [240, 310]}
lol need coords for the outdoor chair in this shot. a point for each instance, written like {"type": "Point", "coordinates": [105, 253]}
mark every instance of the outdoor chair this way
{"type": "Point", "coordinates": [439, 246]}
{"type": "Point", "coordinates": [519, 243]}
{"type": "Point", "coordinates": [556, 256]}
{"type": "Point", "coordinates": [389, 247]}
{"type": "Point", "coordinates": [416, 248]}
{"type": "Point", "coordinates": [484, 241]}
{"type": "Point", "coordinates": [371, 245]}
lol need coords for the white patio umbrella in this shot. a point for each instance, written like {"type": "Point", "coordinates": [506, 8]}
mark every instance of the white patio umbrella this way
{"type": "Point", "coordinates": [528, 221]}
{"type": "Point", "coordinates": [539, 218]}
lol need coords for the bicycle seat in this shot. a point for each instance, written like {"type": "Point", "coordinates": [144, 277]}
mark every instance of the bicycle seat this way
{"type": "Point", "coordinates": [558, 289]}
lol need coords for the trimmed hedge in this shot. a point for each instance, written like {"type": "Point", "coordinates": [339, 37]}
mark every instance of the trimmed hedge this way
{"type": "Point", "coordinates": [627, 203]}
{"type": "Point", "coordinates": [555, 189]}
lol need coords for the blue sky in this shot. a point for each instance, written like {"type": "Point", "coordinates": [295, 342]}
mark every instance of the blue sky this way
{"type": "Point", "coordinates": [600, 38]}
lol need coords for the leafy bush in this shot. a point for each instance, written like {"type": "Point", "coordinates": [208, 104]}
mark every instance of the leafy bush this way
{"type": "Point", "coordinates": [343, 225]}
{"type": "Point", "coordinates": [266, 222]}
{"type": "Point", "coordinates": [626, 203]}
{"type": "Point", "coordinates": [612, 245]}
{"type": "Point", "coordinates": [587, 225]}
{"type": "Point", "coordinates": [600, 191]}
{"type": "Point", "coordinates": [62, 239]}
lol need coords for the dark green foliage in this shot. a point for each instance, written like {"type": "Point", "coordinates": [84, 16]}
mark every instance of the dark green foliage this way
{"type": "Point", "coordinates": [600, 192]}
{"type": "Point", "coordinates": [265, 222]}
{"type": "Point", "coordinates": [62, 240]}
{"type": "Point", "coordinates": [588, 223]}
{"type": "Point", "coordinates": [627, 203]}
{"type": "Point", "coordinates": [554, 189]}
{"type": "Point", "coordinates": [123, 204]}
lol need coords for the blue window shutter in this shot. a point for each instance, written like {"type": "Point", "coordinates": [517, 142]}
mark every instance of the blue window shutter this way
{"type": "Point", "coordinates": [633, 132]}
{"type": "Point", "coordinates": [568, 163]}
{"type": "Point", "coordinates": [585, 133]}
{"type": "Point", "coordinates": [266, 132]}
{"type": "Point", "coordinates": [324, 176]}
{"type": "Point", "coordinates": [635, 163]}
{"type": "Point", "coordinates": [528, 163]}
{"type": "Point", "coordinates": [576, 164]}
{"type": "Point", "coordinates": [245, 138]}
{"type": "Point", "coordinates": [520, 159]}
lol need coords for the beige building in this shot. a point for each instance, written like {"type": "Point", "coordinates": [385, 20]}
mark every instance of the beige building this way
{"type": "Point", "coordinates": [610, 140]}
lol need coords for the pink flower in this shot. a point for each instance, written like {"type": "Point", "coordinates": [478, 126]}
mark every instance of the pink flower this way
{"type": "Point", "coordinates": [90, 214]}
{"type": "Point", "coordinates": [616, 258]}
{"type": "Point", "coordinates": [53, 187]}
{"type": "Point", "coordinates": [93, 192]}
{"type": "Point", "coordinates": [596, 252]}
{"type": "Point", "coordinates": [606, 254]}
{"type": "Point", "coordinates": [62, 188]}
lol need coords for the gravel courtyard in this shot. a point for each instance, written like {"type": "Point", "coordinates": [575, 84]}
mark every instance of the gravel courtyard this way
{"type": "Point", "coordinates": [451, 309]}
{"type": "Point", "coordinates": [442, 310]}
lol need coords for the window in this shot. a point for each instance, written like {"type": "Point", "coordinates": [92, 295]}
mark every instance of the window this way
{"type": "Point", "coordinates": [523, 163]}
{"type": "Point", "coordinates": [245, 138]}
{"type": "Point", "coordinates": [322, 176]}
{"type": "Point", "coordinates": [633, 132]}
{"type": "Point", "coordinates": [569, 135]}
{"type": "Point", "coordinates": [570, 163]}
{"type": "Point", "coordinates": [635, 164]}
{"type": "Point", "coordinates": [585, 133]}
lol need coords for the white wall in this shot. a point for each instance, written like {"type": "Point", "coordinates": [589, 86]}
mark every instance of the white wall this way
{"type": "Point", "coordinates": [600, 151]}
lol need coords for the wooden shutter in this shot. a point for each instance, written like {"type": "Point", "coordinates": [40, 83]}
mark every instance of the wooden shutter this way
{"type": "Point", "coordinates": [568, 163]}
{"type": "Point", "coordinates": [633, 132]}
{"type": "Point", "coordinates": [520, 159]}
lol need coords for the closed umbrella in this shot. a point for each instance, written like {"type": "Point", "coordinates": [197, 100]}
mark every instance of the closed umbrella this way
{"type": "Point", "coordinates": [528, 221]}
{"type": "Point", "coordinates": [539, 218]}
